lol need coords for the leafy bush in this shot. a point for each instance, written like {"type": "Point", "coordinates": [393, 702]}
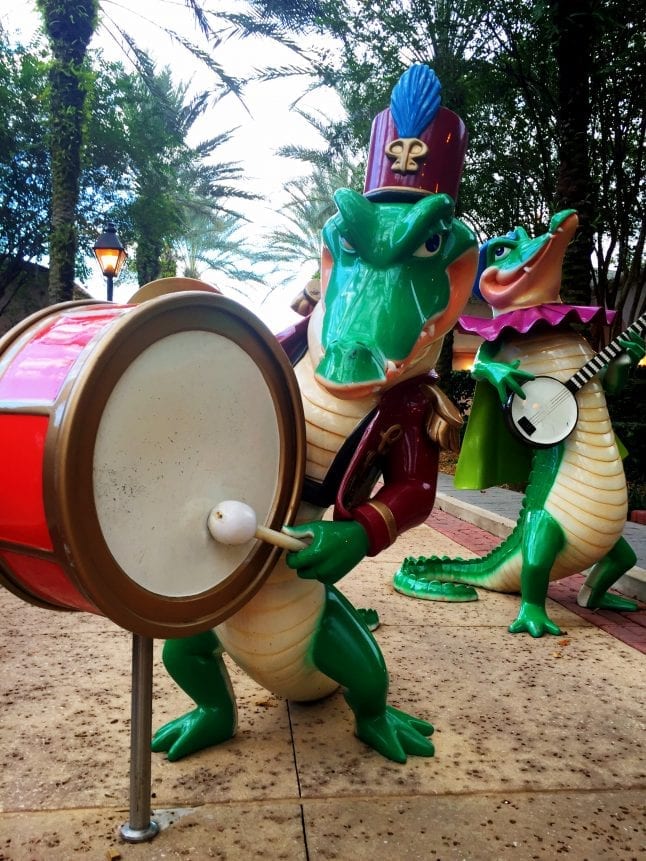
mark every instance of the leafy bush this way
{"type": "Point", "coordinates": [629, 422]}
{"type": "Point", "coordinates": [459, 386]}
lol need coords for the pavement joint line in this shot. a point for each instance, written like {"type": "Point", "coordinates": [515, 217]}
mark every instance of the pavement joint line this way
{"type": "Point", "coordinates": [298, 781]}
{"type": "Point", "coordinates": [463, 793]}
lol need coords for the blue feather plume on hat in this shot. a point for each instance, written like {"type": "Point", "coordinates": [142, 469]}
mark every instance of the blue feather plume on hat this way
{"type": "Point", "coordinates": [415, 100]}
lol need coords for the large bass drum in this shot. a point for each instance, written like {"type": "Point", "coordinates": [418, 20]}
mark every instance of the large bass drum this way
{"type": "Point", "coordinates": [121, 427]}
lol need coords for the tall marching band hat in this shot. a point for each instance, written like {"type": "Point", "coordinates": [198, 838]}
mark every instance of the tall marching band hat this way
{"type": "Point", "coordinates": [416, 146]}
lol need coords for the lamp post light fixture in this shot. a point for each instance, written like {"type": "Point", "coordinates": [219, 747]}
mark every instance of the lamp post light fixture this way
{"type": "Point", "coordinates": [110, 255]}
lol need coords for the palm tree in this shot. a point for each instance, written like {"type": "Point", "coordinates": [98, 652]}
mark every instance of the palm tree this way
{"type": "Point", "coordinates": [172, 181]}
{"type": "Point", "coordinates": [69, 26]}
{"type": "Point", "coordinates": [212, 245]}
{"type": "Point", "coordinates": [310, 203]}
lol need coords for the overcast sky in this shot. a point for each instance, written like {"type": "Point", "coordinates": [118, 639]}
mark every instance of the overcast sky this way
{"type": "Point", "coordinates": [269, 123]}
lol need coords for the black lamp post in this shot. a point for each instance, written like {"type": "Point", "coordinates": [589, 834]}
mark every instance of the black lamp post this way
{"type": "Point", "coordinates": [110, 254]}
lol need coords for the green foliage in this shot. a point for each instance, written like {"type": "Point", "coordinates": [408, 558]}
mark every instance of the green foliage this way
{"type": "Point", "coordinates": [633, 435]}
{"type": "Point", "coordinates": [171, 184]}
{"type": "Point", "coordinates": [630, 426]}
{"type": "Point", "coordinates": [617, 153]}
{"type": "Point", "coordinates": [213, 243]}
{"type": "Point", "coordinates": [539, 139]}
{"type": "Point", "coordinates": [134, 166]}
{"type": "Point", "coordinates": [69, 25]}
{"type": "Point", "coordinates": [25, 163]}
{"type": "Point", "coordinates": [496, 70]}
{"type": "Point", "coordinates": [459, 386]}
{"type": "Point", "coordinates": [24, 160]}
{"type": "Point", "coordinates": [105, 155]}
{"type": "Point", "coordinates": [309, 205]}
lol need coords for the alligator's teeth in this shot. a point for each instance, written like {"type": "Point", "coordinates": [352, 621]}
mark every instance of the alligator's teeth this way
{"type": "Point", "coordinates": [527, 268]}
{"type": "Point", "coordinates": [390, 366]}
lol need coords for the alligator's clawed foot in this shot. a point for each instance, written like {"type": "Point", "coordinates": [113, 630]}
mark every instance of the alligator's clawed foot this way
{"type": "Point", "coordinates": [395, 734]}
{"type": "Point", "coordinates": [370, 617]}
{"type": "Point", "coordinates": [534, 620]}
{"type": "Point", "coordinates": [608, 601]}
{"type": "Point", "coordinates": [432, 590]}
{"type": "Point", "coordinates": [203, 727]}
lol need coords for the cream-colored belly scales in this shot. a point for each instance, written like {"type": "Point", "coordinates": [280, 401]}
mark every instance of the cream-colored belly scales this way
{"type": "Point", "coordinates": [271, 636]}
{"type": "Point", "coordinates": [588, 498]}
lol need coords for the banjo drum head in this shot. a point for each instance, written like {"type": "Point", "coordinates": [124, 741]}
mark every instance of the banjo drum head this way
{"type": "Point", "coordinates": [189, 401]}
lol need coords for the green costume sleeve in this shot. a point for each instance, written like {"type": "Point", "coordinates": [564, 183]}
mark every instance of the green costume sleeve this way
{"type": "Point", "coordinates": [490, 453]}
{"type": "Point", "coordinates": [623, 451]}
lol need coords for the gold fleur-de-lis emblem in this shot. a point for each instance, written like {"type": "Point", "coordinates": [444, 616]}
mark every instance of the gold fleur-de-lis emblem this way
{"type": "Point", "coordinates": [406, 154]}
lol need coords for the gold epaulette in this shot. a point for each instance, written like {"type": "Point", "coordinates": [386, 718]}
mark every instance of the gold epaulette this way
{"type": "Point", "coordinates": [444, 421]}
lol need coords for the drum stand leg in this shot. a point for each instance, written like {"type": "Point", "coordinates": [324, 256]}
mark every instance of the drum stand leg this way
{"type": "Point", "coordinates": [140, 827]}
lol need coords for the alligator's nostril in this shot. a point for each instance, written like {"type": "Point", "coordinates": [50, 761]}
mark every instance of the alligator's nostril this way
{"type": "Point", "coordinates": [347, 363]}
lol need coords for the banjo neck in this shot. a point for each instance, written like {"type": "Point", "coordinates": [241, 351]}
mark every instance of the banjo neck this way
{"type": "Point", "coordinates": [604, 357]}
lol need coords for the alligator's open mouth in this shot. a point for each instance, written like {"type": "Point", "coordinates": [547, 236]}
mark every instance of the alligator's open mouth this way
{"type": "Point", "coordinates": [537, 278]}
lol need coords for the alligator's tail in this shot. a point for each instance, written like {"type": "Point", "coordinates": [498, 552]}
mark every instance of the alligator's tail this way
{"type": "Point", "coordinates": [499, 571]}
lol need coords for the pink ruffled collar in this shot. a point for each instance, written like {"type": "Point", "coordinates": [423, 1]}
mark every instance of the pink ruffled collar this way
{"type": "Point", "coordinates": [524, 320]}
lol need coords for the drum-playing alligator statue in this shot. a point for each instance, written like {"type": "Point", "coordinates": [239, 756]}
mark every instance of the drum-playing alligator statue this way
{"type": "Point", "coordinates": [396, 273]}
{"type": "Point", "coordinates": [575, 505]}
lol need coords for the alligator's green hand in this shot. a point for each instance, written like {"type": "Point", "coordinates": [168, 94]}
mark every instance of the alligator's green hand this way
{"type": "Point", "coordinates": [533, 619]}
{"type": "Point", "coordinates": [635, 346]}
{"type": "Point", "coordinates": [336, 547]}
{"type": "Point", "coordinates": [395, 734]}
{"type": "Point", "coordinates": [616, 375]}
{"type": "Point", "coordinates": [200, 728]}
{"type": "Point", "coordinates": [506, 378]}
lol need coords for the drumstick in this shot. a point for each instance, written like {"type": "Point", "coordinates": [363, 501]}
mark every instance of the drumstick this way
{"type": "Point", "coordinates": [233, 522]}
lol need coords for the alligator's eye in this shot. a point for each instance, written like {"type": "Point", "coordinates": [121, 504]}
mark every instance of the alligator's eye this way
{"type": "Point", "coordinates": [501, 252]}
{"type": "Point", "coordinates": [430, 247]}
{"type": "Point", "coordinates": [346, 246]}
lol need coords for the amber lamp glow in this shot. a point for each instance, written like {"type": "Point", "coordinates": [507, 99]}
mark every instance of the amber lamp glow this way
{"type": "Point", "coordinates": [110, 255]}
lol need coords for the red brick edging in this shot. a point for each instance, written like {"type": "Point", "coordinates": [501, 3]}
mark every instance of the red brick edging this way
{"type": "Point", "coordinates": [630, 628]}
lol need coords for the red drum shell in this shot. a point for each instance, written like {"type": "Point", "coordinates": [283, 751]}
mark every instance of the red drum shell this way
{"type": "Point", "coordinates": [63, 374]}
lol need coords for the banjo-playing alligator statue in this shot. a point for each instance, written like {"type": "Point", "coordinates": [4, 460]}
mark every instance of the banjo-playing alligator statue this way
{"type": "Point", "coordinates": [575, 505]}
{"type": "Point", "coordinates": [396, 272]}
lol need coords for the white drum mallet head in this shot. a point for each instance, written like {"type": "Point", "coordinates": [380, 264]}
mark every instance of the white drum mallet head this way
{"type": "Point", "coordinates": [234, 522]}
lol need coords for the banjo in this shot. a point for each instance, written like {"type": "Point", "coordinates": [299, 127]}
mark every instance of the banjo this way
{"type": "Point", "coordinates": [549, 411]}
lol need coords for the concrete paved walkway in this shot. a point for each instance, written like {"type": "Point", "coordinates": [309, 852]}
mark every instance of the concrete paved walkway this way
{"type": "Point", "coordinates": [540, 744]}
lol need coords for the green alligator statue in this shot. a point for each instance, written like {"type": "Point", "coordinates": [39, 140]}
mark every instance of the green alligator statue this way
{"type": "Point", "coordinates": [575, 505]}
{"type": "Point", "coordinates": [397, 269]}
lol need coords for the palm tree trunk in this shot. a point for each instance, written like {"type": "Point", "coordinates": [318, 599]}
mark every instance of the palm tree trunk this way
{"type": "Point", "coordinates": [69, 25]}
{"type": "Point", "coordinates": [573, 36]}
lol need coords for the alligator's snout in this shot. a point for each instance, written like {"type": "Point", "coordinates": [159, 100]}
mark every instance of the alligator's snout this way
{"type": "Point", "coordinates": [344, 362]}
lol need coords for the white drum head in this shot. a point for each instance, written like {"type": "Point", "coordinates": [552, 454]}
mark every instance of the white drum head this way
{"type": "Point", "coordinates": [190, 423]}
{"type": "Point", "coordinates": [189, 402]}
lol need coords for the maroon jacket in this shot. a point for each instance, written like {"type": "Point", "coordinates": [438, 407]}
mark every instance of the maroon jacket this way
{"type": "Point", "coordinates": [394, 443]}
